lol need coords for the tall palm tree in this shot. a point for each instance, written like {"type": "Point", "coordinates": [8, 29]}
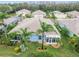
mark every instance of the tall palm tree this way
{"type": "Point", "coordinates": [44, 28]}
{"type": "Point", "coordinates": [25, 34]}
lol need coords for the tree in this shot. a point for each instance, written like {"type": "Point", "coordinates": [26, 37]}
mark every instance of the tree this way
{"type": "Point", "coordinates": [77, 46]}
{"type": "Point", "coordinates": [44, 28]}
{"type": "Point", "coordinates": [4, 36]}
{"type": "Point", "coordinates": [25, 34]}
{"type": "Point", "coordinates": [2, 16]}
{"type": "Point", "coordinates": [1, 35]}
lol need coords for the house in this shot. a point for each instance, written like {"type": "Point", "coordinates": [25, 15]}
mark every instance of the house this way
{"type": "Point", "coordinates": [32, 25]}
{"type": "Point", "coordinates": [73, 14]}
{"type": "Point", "coordinates": [60, 15]}
{"type": "Point", "coordinates": [71, 24]}
{"type": "Point", "coordinates": [39, 13]}
{"type": "Point", "coordinates": [23, 12]}
{"type": "Point", "coordinates": [11, 20]}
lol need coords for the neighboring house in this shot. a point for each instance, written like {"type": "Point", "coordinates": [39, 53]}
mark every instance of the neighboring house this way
{"type": "Point", "coordinates": [32, 25]}
{"type": "Point", "coordinates": [60, 15]}
{"type": "Point", "coordinates": [11, 20]}
{"type": "Point", "coordinates": [73, 14]}
{"type": "Point", "coordinates": [39, 13]}
{"type": "Point", "coordinates": [23, 12]}
{"type": "Point", "coordinates": [71, 24]}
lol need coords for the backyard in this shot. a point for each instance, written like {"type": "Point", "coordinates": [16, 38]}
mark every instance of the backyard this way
{"type": "Point", "coordinates": [65, 50]}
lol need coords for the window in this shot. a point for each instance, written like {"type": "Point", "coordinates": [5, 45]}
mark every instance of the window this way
{"type": "Point", "coordinates": [50, 40]}
{"type": "Point", "coordinates": [17, 37]}
{"type": "Point", "coordinates": [53, 40]}
{"type": "Point", "coordinates": [47, 40]}
{"type": "Point", "coordinates": [40, 37]}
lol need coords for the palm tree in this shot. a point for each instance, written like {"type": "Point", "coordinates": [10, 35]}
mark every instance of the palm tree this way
{"type": "Point", "coordinates": [44, 28]}
{"type": "Point", "coordinates": [54, 18]}
{"type": "Point", "coordinates": [25, 34]}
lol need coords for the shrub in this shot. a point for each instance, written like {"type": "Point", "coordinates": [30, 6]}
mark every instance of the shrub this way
{"type": "Point", "coordinates": [17, 49]}
{"type": "Point", "coordinates": [51, 15]}
{"type": "Point", "coordinates": [72, 41]}
{"type": "Point", "coordinates": [28, 16]}
{"type": "Point", "coordinates": [77, 47]}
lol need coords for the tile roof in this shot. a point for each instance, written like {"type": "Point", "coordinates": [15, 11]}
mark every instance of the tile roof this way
{"type": "Point", "coordinates": [71, 24]}
{"type": "Point", "coordinates": [33, 24]}
{"type": "Point", "coordinates": [59, 14]}
{"type": "Point", "coordinates": [11, 20]}
{"type": "Point", "coordinates": [25, 11]}
{"type": "Point", "coordinates": [39, 12]}
{"type": "Point", "coordinates": [73, 14]}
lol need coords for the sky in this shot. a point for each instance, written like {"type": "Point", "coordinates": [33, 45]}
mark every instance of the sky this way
{"type": "Point", "coordinates": [18, 1]}
{"type": "Point", "coordinates": [39, 0]}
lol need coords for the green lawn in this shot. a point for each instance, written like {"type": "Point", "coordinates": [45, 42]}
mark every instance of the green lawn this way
{"type": "Point", "coordinates": [6, 51]}
{"type": "Point", "coordinates": [32, 51]}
